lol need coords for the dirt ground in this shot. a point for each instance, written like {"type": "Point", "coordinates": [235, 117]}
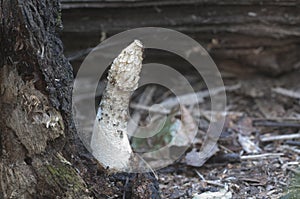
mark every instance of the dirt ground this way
{"type": "Point", "coordinates": [258, 150]}
{"type": "Point", "coordinates": [256, 111]}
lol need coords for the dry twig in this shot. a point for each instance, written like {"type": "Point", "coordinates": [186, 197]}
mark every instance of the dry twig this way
{"type": "Point", "coordinates": [268, 138]}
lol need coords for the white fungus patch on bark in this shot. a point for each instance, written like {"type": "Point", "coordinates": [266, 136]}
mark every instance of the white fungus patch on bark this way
{"type": "Point", "coordinates": [109, 143]}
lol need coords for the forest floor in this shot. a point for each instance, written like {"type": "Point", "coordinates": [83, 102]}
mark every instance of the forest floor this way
{"type": "Point", "coordinates": [256, 156]}
{"type": "Point", "coordinates": [258, 149]}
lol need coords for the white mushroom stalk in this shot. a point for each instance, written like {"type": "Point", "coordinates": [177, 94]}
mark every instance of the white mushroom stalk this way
{"type": "Point", "coordinates": [109, 143]}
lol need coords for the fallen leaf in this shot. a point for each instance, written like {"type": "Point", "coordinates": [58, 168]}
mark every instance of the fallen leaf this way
{"type": "Point", "coordinates": [170, 142]}
{"type": "Point", "coordinates": [187, 131]}
{"type": "Point", "coordinates": [248, 145]}
{"type": "Point", "coordinates": [222, 194]}
{"type": "Point", "coordinates": [198, 158]}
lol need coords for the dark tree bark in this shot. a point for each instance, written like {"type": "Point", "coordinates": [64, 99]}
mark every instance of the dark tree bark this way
{"type": "Point", "coordinates": [35, 96]}
{"type": "Point", "coordinates": [258, 35]}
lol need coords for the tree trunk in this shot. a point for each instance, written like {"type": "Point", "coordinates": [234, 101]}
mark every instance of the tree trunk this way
{"type": "Point", "coordinates": [258, 35]}
{"type": "Point", "coordinates": [35, 96]}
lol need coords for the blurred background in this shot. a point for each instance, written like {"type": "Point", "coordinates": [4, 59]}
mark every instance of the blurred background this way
{"type": "Point", "coordinates": [241, 36]}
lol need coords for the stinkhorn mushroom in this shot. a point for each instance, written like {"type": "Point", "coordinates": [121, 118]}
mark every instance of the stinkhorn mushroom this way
{"type": "Point", "coordinates": [109, 143]}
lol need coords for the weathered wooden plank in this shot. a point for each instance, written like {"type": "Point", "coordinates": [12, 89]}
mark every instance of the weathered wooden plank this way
{"type": "Point", "coordinates": [261, 34]}
{"type": "Point", "coordinates": [69, 4]}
